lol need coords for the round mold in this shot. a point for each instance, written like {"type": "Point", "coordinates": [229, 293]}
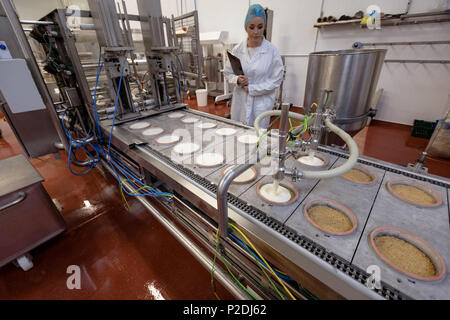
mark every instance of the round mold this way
{"type": "Point", "coordinates": [247, 139]}
{"type": "Point", "coordinates": [283, 183]}
{"type": "Point", "coordinates": [190, 120]}
{"type": "Point", "coordinates": [364, 170]}
{"type": "Point", "coordinates": [316, 155]}
{"type": "Point", "coordinates": [209, 159]}
{"type": "Point", "coordinates": [226, 131]}
{"type": "Point", "coordinates": [176, 115]}
{"type": "Point", "coordinates": [168, 139]}
{"type": "Point", "coordinates": [334, 205]}
{"type": "Point", "coordinates": [436, 196]}
{"type": "Point", "coordinates": [206, 125]}
{"type": "Point", "coordinates": [186, 148]}
{"type": "Point", "coordinates": [152, 132]}
{"type": "Point", "coordinates": [139, 125]}
{"type": "Point", "coordinates": [228, 168]}
{"type": "Point", "coordinates": [415, 241]}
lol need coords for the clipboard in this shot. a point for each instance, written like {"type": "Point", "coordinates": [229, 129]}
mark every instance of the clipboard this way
{"type": "Point", "coordinates": [235, 64]}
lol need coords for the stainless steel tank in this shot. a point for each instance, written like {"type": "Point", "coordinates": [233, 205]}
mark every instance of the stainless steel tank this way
{"type": "Point", "coordinates": [353, 77]}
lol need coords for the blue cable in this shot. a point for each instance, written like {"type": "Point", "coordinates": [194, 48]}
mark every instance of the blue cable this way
{"type": "Point", "coordinates": [242, 244]}
{"type": "Point", "coordinates": [178, 80]}
{"type": "Point", "coordinates": [79, 143]}
{"type": "Point", "coordinates": [182, 72]}
{"type": "Point", "coordinates": [99, 69]}
{"type": "Point", "coordinates": [115, 107]}
{"type": "Point", "coordinates": [130, 177]}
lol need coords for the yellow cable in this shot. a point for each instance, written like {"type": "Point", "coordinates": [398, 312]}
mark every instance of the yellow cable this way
{"type": "Point", "coordinates": [262, 258]}
{"type": "Point", "coordinates": [123, 196]}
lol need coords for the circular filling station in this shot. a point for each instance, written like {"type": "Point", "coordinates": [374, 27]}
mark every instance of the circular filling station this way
{"type": "Point", "coordinates": [153, 132]}
{"type": "Point", "coordinates": [139, 125]}
{"type": "Point", "coordinates": [281, 192]}
{"type": "Point", "coordinates": [248, 139]}
{"type": "Point", "coordinates": [414, 192]}
{"type": "Point", "coordinates": [330, 216]}
{"type": "Point", "coordinates": [186, 148]}
{"type": "Point", "coordinates": [168, 139]}
{"type": "Point", "coordinates": [226, 131]}
{"type": "Point", "coordinates": [206, 125]}
{"type": "Point", "coordinates": [209, 159]}
{"type": "Point", "coordinates": [407, 253]}
{"type": "Point", "coordinates": [313, 159]}
{"type": "Point", "coordinates": [176, 115]}
{"type": "Point", "coordinates": [245, 177]}
{"type": "Point", "coordinates": [190, 120]}
{"type": "Point", "coordinates": [361, 175]}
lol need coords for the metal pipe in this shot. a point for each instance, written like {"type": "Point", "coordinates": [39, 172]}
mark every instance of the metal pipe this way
{"type": "Point", "coordinates": [222, 194]}
{"type": "Point", "coordinates": [198, 254]}
{"type": "Point", "coordinates": [417, 61]}
{"type": "Point", "coordinates": [403, 43]}
{"type": "Point", "coordinates": [316, 128]}
{"type": "Point", "coordinates": [47, 23]}
{"type": "Point", "coordinates": [279, 175]}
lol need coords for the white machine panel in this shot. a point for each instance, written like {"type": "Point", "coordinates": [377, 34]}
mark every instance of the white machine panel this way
{"type": "Point", "coordinates": [4, 51]}
{"type": "Point", "coordinates": [18, 87]}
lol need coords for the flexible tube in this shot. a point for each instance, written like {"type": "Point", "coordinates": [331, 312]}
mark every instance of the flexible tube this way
{"type": "Point", "coordinates": [263, 115]}
{"type": "Point", "coordinates": [354, 153]}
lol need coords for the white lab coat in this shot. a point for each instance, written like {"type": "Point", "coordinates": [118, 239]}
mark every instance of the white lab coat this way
{"type": "Point", "coordinates": [265, 73]}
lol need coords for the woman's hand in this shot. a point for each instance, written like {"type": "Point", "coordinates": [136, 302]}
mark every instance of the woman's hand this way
{"type": "Point", "coordinates": [242, 81]}
{"type": "Point", "coordinates": [246, 89]}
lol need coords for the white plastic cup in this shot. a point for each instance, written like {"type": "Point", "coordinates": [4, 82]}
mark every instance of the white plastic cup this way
{"type": "Point", "coordinates": [202, 97]}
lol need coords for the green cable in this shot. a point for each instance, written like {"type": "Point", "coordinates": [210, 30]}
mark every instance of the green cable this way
{"type": "Point", "coordinates": [224, 262]}
{"type": "Point", "coordinates": [214, 261]}
{"type": "Point", "coordinates": [268, 129]}
{"type": "Point", "coordinates": [59, 165]}
{"type": "Point", "coordinates": [260, 266]}
{"type": "Point", "coordinates": [238, 282]}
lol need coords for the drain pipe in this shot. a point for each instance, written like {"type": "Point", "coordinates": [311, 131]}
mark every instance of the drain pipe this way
{"type": "Point", "coordinates": [195, 250]}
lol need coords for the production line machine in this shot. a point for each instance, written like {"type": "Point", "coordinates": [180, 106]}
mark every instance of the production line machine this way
{"type": "Point", "coordinates": [320, 221]}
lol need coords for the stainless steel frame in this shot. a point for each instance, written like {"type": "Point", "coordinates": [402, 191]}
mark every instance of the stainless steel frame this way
{"type": "Point", "coordinates": [37, 131]}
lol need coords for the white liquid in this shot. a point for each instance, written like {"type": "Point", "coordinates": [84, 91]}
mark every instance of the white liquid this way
{"type": "Point", "coordinates": [209, 159]}
{"type": "Point", "coordinates": [206, 125]}
{"type": "Point", "coordinates": [167, 139]}
{"type": "Point", "coordinates": [247, 175]}
{"type": "Point", "coordinates": [275, 193]}
{"type": "Point", "coordinates": [139, 125]}
{"type": "Point", "coordinates": [186, 148]}
{"type": "Point", "coordinates": [176, 115]}
{"type": "Point", "coordinates": [189, 120]}
{"type": "Point", "coordinates": [226, 131]}
{"type": "Point", "coordinates": [276, 184]}
{"type": "Point", "coordinates": [152, 131]}
{"type": "Point", "coordinates": [248, 139]}
{"type": "Point", "coordinates": [311, 160]}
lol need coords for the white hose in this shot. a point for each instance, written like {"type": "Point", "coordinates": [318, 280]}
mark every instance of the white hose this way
{"type": "Point", "coordinates": [263, 115]}
{"type": "Point", "coordinates": [352, 159]}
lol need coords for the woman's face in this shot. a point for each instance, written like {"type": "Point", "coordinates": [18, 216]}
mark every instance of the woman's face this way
{"type": "Point", "coordinates": [255, 28]}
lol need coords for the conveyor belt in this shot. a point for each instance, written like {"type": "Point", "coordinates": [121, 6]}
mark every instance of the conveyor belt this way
{"type": "Point", "coordinates": [350, 254]}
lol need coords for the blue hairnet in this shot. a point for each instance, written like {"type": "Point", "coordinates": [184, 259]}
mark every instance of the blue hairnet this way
{"type": "Point", "coordinates": [255, 10]}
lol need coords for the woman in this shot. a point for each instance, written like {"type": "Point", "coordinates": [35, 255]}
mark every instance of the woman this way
{"type": "Point", "coordinates": [255, 91]}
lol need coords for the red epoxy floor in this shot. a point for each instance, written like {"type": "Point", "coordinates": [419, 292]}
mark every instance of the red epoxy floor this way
{"type": "Point", "coordinates": [129, 255]}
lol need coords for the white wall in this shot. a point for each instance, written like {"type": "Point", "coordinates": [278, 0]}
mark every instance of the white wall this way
{"type": "Point", "coordinates": [411, 91]}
